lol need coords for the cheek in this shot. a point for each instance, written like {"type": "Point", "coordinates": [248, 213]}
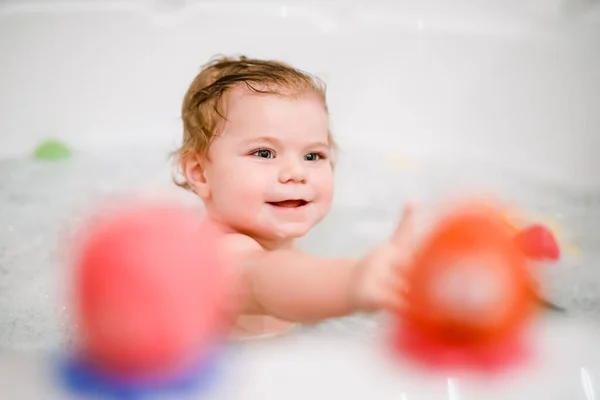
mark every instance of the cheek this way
{"type": "Point", "coordinates": [237, 184]}
{"type": "Point", "coordinates": [323, 182]}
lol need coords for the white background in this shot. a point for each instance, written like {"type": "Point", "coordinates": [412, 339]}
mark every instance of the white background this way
{"type": "Point", "coordinates": [514, 82]}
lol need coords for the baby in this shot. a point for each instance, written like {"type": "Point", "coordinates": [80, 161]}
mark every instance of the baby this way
{"type": "Point", "coordinates": [258, 151]}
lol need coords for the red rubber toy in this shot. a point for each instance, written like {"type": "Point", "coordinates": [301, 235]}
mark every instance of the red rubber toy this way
{"type": "Point", "coordinates": [149, 287]}
{"type": "Point", "coordinates": [538, 243]}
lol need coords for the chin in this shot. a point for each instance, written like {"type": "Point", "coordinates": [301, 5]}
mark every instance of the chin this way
{"type": "Point", "coordinates": [287, 231]}
{"type": "Point", "coordinates": [292, 231]}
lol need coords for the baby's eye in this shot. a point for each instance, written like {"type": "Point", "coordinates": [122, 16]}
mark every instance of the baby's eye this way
{"type": "Point", "coordinates": [263, 153]}
{"type": "Point", "coordinates": [313, 157]}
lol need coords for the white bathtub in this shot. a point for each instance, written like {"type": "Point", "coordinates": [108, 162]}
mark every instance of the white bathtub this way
{"type": "Point", "coordinates": [427, 100]}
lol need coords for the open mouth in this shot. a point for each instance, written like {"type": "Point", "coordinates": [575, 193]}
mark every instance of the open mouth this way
{"type": "Point", "coordinates": [289, 203]}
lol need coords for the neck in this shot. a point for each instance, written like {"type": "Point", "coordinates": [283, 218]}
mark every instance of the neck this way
{"type": "Point", "coordinates": [277, 244]}
{"type": "Point", "coordinates": [266, 243]}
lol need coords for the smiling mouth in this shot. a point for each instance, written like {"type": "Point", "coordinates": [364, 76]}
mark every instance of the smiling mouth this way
{"type": "Point", "coordinates": [289, 203]}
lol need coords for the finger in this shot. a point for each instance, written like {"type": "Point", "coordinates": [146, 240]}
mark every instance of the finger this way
{"type": "Point", "coordinates": [397, 284]}
{"type": "Point", "coordinates": [403, 261]}
{"type": "Point", "coordinates": [403, 234]}
{"type": "Point", "coordinates": [393, 302]}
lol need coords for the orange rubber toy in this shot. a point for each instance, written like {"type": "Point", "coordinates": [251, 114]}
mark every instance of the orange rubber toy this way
{"type": "Point", "coordinates": [470, 293]}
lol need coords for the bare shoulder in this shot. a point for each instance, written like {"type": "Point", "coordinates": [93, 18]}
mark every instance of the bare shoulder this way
{"type": "Point", "coordinates": [239, 249]}
{"type": "Point", "coordinates": [230, 242]}
{"type": "Point", "coordinates": [239, 243]}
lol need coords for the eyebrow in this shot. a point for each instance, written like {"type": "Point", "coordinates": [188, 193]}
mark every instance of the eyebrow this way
{"type": "Point", "coordinates": [262, 139]}
{"type": "Point", "coordinates": [275, 141]}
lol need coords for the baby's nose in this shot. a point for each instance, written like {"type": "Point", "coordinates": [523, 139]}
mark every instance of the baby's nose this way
{"type": "Point", "coordinates": [292, 172]}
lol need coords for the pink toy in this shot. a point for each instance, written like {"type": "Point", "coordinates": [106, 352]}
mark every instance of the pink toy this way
{"type": "Point", "coordinates": [149, 289]}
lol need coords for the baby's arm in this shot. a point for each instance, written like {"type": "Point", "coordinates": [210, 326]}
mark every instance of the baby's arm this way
{"type": "Point", "coordinates": [295, 286]}
{"type": "Point", "coordinates": [290, 284]}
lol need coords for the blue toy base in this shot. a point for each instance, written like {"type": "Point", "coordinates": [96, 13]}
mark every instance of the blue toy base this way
{"type": "Point", "coordinates": [81, 377]}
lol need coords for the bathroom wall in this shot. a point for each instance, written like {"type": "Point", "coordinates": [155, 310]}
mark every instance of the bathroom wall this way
{"type": "Point", "coordinates": [516, 83]}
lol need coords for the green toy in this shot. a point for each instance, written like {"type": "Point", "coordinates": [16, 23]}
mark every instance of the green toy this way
{"type": "Point", "coordinates": [52, 150]}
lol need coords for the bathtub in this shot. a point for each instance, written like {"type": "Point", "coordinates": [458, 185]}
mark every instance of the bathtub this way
{"type": "Point", "coordinates": [428, 100]}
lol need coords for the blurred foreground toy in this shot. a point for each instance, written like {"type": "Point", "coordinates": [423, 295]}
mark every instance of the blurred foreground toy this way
{"type": "Point", "coordinates": [536, 239]}
{"type": "Point", "coordinates": [470, 294]}
{"type": "Point", "coordinates": [538, 243]}
{"type": "Point", "coordinates": [52, 150]}
{"type": "Point", "coordinates": [149, 287]}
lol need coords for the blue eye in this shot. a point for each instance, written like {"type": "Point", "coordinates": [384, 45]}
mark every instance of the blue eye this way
{"type": "Point", "coordinates": [313, 157]}
{"type": "Point", "coordinates": [263, 153]}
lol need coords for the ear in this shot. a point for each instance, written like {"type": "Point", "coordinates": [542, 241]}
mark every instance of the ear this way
{"type": "Point", "coordinates": [194, 170]}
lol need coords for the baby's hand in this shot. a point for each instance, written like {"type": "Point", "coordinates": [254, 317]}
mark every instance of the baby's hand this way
{"type": "Point", "coordinates": [379, 281]}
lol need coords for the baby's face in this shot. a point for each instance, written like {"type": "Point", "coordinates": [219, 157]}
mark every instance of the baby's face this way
{"type": "Point", "coordinates": [270, 174]}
